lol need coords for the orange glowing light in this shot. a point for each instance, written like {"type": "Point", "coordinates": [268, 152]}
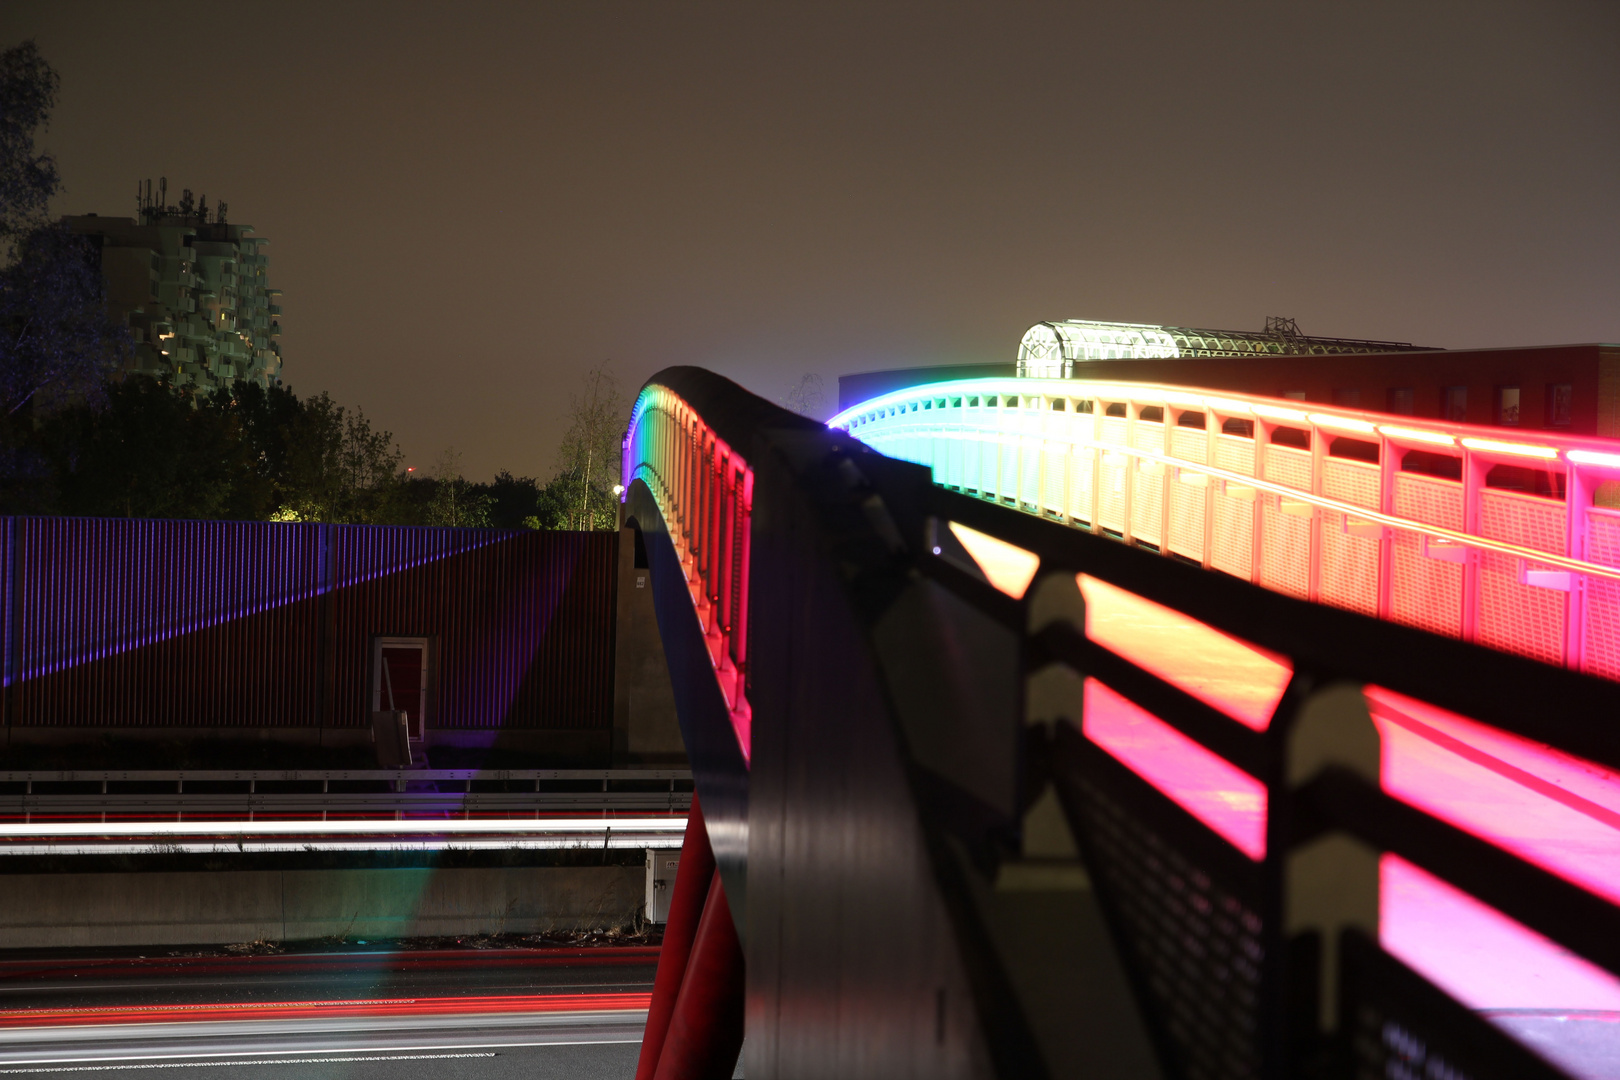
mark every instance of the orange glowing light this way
{"type": "Point", "coordinates": [1242, 680]}
{"type": "Point", "coordinates": [1010, 568]}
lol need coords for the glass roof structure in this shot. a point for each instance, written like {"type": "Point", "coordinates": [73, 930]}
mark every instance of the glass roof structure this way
{"type": "Point", "coordinates": [1051, 349]}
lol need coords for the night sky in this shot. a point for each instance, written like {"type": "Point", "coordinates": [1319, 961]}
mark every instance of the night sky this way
{"type": "Point", "coordinates": [469, 204]}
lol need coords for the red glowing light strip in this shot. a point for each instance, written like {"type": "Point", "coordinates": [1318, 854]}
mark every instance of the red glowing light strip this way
{"type": "Point", "coordinates": [704, 490]}
{"type": "Point", "coordinates": [310, 1010]}
{"type": "Point", "coordinates": [1203, 783]}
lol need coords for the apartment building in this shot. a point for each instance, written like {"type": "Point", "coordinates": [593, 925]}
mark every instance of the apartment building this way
{"type": "Point", "coordinates": [193, 288]}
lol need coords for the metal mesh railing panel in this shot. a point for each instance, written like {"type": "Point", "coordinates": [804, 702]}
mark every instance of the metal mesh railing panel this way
{"type": "Point", "coordinates": [1287, 465]}
{"type": "Point", "coordinates": [1351, 481]}
{"type": "Point", "coordinates": [1426, 592]}
{"type": "Point", "coordinates": [1147, 506]}
{"type": "Point", "coordinates": [1233, 547]}
{"type": "Point", "coordinates": [1349, 567]}
{"type": "Point", "coordinates": [1235, 453]}
{"type": "Point", "coordinates": [1602, 654]}
{"type": "Point", "coordinates": [1198, 947]}
{"type": "Point", "coordinates": [1515, 617]}
{"type": "Point", "coordinates": [1285, 549]}
{"type": "Point", "coordinates": [1187, 509]}
{"type": "Point", "coordinates": [1190, 444]}
{"type": "Point", "coordinates": [1080, 491]}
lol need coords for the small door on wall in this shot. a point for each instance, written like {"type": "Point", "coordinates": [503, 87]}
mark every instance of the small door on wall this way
{"type": "Point", "coordinates": [399, 679]}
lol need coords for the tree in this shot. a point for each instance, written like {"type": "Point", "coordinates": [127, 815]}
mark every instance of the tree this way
{"type": "Point", "coordinates": [521, 502]}
{"type": "Point", "coordinates": [589, 456]}
{"type": "Point", "coordinates": [806, 396]}
{"type": "Point", "coordinates": [57, 342]}
{"type": "Point", "coordinates": [28, 179]}
{"type": "Point", "coordinates": [337, 468]}
{"type": "Point", "coordinates": [454, 501]}
{"type": "Point", "coordinates": [56, 339]}
{"type": "Point", "coordinates": [270, 420]}
{"type": "Point", "coordinates": [146, 452]}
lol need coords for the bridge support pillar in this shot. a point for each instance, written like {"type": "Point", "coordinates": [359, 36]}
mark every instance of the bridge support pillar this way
{"type": "Point", "coordinates": [693, 874]}
{"type": "Point", "coordinates": [706, 1032]}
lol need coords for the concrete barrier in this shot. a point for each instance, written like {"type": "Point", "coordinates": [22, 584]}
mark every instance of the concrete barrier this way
{"type": "Point", "coordinates": [213, 908]}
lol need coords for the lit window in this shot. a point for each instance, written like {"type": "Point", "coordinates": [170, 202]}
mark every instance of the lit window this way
{"type": "Point", "coordinates": [1507, 406]}
{"type": "Point", "coordinates": [1560, 404]}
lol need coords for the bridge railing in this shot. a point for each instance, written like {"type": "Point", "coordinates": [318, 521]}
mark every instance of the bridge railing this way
{"type": "Point", "coordinates": [1019, 800]}
{"type": "Point", "coordinates": [704, 488]}
{"type": "Point", "coordinates": [332, 794]}
{"type": "Point", "coordinates": [1485, 534]}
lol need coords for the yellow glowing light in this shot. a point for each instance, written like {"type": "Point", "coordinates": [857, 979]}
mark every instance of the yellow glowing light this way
{"type": "Point", "coordinates": [1010, 568]}
{"type": "Point", "coordinates": [1223, 405]}
{"type": "Point", "coordinates": [1343, 423]}
{"type": "Point", "coordinates": [1271, 412]}
{"type": "Point", "coordinates": [1415, 435]}
{"type": "Point", "coordinates": [1491, 446]}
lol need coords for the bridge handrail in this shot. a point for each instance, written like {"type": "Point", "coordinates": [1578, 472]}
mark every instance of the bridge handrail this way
{"type": "Point", "coordinates": [1566, 558]}
{"type": "Point", "coordinates": [892, 679]}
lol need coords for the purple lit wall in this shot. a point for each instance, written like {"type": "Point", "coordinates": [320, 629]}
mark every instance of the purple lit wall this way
{"type": "Point", "coordinates": [112, 623]}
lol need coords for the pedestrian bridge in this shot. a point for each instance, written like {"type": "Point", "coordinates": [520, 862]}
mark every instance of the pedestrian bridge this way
{"type": "Point", "coordinates": [1049, 728]}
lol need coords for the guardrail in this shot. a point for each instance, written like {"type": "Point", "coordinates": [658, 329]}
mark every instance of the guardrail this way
{"type": "Point", "coordinates": [1314, 501]}
{"type": "Point", "coordinates": [323, 794]}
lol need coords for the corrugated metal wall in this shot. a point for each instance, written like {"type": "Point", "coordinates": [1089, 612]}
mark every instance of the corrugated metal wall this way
{"type": "Point", "coordinates": [133, 623]}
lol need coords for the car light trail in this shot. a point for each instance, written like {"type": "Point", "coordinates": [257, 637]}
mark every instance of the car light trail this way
{"type": "Point", "coordinates": [343, 828]}
{"type": "Point", "coordinates": [210, 837]}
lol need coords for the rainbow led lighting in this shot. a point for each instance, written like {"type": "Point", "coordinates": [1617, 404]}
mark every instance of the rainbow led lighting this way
{"type": "Point", "coordinates": [704, 491]}
{"type": "Point", "coordinates": [1271, 412]}
{"type": "Point", "coordinates": [1491, 446]}
{"type": "Point", "coordinates": [1343, 423]}
{"type": "Point", "coordinates": [1434, 438]}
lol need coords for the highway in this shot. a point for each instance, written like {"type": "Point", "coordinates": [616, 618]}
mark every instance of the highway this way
{"type": "Point", "coordinates": [478, 1013]}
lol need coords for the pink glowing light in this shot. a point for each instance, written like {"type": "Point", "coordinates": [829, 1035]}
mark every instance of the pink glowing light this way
{"type": "Point", "coordinates": [1203, 783]}
{"type": "Point", "coordinates": [1478, 955]}
{"type": "Point", "coordinates": [1549, 808]}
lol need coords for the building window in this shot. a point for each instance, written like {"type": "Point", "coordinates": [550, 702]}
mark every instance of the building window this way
{"type": "Point", "coordinates": [1507, 406]}
{"type": "Point", "coordinates": [1401, 400]}
{"type": "Point", "coordinates": [1454, 404]}
{"type": "Point", "coordinates": [1294, 395]}
{"type": "Point", "coordinates": [1349, 397]}
{"type": "Point", "coordinates": [1560, 404]}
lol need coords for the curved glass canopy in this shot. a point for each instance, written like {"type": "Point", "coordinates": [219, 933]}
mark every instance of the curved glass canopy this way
{"type": "Point", "coordinates": [1049, 350]}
